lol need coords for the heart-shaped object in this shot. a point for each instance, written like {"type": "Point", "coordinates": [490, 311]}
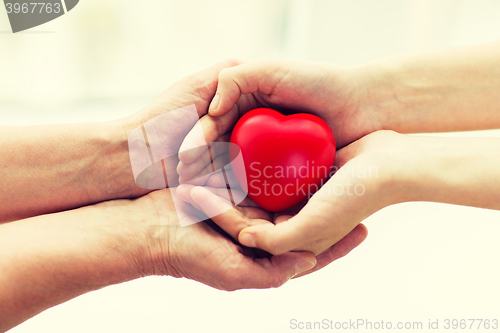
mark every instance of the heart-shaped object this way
{"type": "Point", "coordinates": [285, 158]}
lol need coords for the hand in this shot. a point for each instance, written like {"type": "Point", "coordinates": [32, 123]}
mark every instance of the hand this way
{"type": "Point", "coordinates": [364, 183]}
{"type": "Point", "coordinates": [81, 164]}
{"type": "Point", "coordinates": [330, 92]}
{"type": "Point", "coordinates": [201, 253]}
{"type": "Point", "coordinates": [166, 125]}
{"type": "Point", "coordinates": [210, 199]}
{"type": "Point", "coordinates": [325, 90]}
{"type": "Point", "coordinates": [51, 258]}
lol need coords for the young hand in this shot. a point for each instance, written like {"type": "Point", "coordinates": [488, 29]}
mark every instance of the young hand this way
{"type": "Point", "coordinates": [328, 91]}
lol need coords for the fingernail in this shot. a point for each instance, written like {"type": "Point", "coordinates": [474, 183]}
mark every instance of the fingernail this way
{"type": "Point", "coordinates": [248, 239]}
{"type": "Point", "coordinates": [215, 103]}
{"type": "Point", "coordinates": [304, 266]}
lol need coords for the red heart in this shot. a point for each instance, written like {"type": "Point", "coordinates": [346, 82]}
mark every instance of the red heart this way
{"type": "Point", "coordinates": [285, 158]}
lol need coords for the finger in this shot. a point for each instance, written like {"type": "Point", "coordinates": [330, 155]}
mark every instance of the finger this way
{"type": "Point", "coordinates": [218, 180]}
{"type": "Point", "coordinates": [296, 234]}
{"type": "Point", "coordinates": [218, 163]}
{"type": "Point", "coordinates": [348, 153]}
{"type": "Point", "coordinates": [183, 192]}
{"type": "Point", "coordinates": [224, 214]}
{"type": "Point", "coordinates": [219, 147]}
{"type": "Point", "coordinates": [227, 180]}
{"type": "Point", "coordinates": [207, 80]}
{"type": "Point", "coordinates": [247, 202]}
{"type": "Point", "coordinates": [273, 272]}
{"type": "Point", "coordinates": [217, 184]}
{"type": "Point", "coordinates": [212, 128]}
{"type": "Point", "coordinates": [221, 161]}
{"type": "Point", "coordinates": [326, 218]}
{"type": "Point", "coordinates": [340, 249]}
{"type": "Point", "coordinates": [292, 211]}
{"type": "Point", "coordinates": [197, 181]}
{"type": "Point", "coordinates": [239, 197]}
{"type": "Point", "coordinates": [303, 232]}
{"type": "Point", "coordinates": [244, 79]}
{"type": "Point", "coordinates": [223, 192]}
{"type": "Point", "coordinates": [282, 218]}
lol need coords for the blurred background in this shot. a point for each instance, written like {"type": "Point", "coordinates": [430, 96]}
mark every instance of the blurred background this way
{"type": "Point", "coordinates": [115, 50]}
{"type": "Point", "coordinates": [108, 59]}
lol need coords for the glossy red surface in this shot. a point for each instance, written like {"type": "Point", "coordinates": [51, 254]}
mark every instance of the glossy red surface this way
{"type": "Point", "coordinates": [286, 158]}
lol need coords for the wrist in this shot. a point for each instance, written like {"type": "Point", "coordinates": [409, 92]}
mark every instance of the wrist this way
{"type": "Point", "coordinates": [124, 227]}
{"type": "Point", "coordinates": [120, 182]}
{"type": "Point", "coordinates": [394, 160]}
{"type": "Point", "coordinates": [142, 230]}
{"type": "Point", "coordinates": [66, 254]}
{"type": "Point", "coordinates": [63, 167]}
{"type": "Point", "coordinates": [380, 95]}
{"type": "Point", "coordinates": [453, 170]}
{"type": "Point", "coordinates": [437, 169]}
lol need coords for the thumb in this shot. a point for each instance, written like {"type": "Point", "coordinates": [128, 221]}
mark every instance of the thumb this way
{"type": "Point", "coordinates": [276, 238]}
{"type": "Point", "coordinates": [259, 76]}
{"type": "Point", "coordinates": [317, 224]}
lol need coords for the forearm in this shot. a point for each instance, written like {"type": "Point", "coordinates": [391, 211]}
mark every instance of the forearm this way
{"type": "Point", "coordinates": [454, 89]}
{"type": "Point", "coordinates": [463, 171]}
{"type": "Point", "coordinates": [51, 168]}
{"type": "Point", "coordinates": [50, 259]}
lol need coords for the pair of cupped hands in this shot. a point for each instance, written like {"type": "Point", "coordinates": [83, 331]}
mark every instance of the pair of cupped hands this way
{"type": "Point", "coordinates": [246, 246]}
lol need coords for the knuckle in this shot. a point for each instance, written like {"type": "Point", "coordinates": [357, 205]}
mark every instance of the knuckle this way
{"type": "Point", "coordinates": [273, 246]}
{"type": "Point", "coordinates": [225, 74]}
{"type": "Point", "coordinates": [233, 62]}
{"type": "Point", "coordinates": [278, 280]}
{"type": "Point", "coordinates": [219, 124]}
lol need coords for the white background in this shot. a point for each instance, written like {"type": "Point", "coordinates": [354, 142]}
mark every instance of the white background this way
{"type": "Point", "coordinates": [108, 59]}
